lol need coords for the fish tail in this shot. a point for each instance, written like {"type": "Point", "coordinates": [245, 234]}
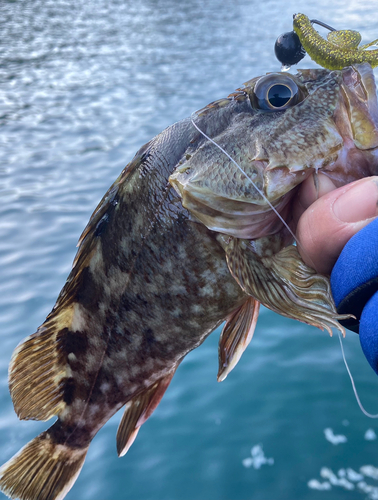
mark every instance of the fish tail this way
{"type": "Point", "coordinates": [42, 469]}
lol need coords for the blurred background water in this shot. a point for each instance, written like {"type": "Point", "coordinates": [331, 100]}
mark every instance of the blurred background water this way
{"type": "Point", "coordinates": [83, 85]}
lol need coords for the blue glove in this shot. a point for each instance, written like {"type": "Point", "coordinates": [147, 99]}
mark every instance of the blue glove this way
{"type": "Point", "coordinates": [354, 284]}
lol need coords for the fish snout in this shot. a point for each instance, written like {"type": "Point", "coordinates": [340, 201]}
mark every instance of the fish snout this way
{"type": "Point", "coordinates": [360, 96]}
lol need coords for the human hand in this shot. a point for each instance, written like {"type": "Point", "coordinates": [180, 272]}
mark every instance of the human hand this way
{"type": "Point", "coordinates": [330, 217]}
{"type": "Point", "coordinates": [345, 220]}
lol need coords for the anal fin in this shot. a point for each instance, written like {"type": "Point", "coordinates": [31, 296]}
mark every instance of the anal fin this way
{"type": "Point", "coordinates": [138, 410]}
{"type": "Point", "coordinates": [236, 335]}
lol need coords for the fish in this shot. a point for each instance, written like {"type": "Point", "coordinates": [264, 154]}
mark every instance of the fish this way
{"type": "Point", "coordinates": [192, 234]}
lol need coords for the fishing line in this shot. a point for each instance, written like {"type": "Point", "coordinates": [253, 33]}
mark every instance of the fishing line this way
{"type": "Point", "coordinates": [257, 189]}
{"type": "Point", "coordinates": [298, 243]}
{"type": "Point", "coordinates": [351, 379]}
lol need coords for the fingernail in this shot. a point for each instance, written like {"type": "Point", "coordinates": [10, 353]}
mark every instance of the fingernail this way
{"type": "Point", "coordinates": [359, 202]}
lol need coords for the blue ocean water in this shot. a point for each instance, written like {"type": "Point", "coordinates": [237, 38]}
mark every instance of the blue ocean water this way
{"type": "Point", "coordinates": [82, 86]}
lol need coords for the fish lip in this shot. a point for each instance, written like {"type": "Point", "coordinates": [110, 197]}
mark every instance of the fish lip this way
{"type": "Point", "coordinates": [360, 97]}
{"type": "Point", "coordinates": [356, 120]}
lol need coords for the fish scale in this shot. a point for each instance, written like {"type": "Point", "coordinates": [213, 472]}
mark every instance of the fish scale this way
{"type": "Point", "coordinates": [180, 243]}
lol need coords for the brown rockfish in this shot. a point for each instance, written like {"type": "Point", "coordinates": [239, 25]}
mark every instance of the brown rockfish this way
{"type": "Point", "coordinates": [183, 241]}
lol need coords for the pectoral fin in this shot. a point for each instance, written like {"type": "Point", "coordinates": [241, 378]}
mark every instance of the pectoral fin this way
{"type": "Point", "coordinates": [138, 410]}
{"type": "Point", "coordinates": [236, 335]}
{"type": "Point", "coordinates": [284, 284]}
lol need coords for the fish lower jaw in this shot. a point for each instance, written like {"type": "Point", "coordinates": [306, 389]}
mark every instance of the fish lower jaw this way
{"type": "Point", "coordinates": [352, 164]}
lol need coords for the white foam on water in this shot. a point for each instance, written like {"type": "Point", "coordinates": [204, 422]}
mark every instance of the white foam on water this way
{"type": "Point", "coordinates": [334, 438]}
{"type": "Point", "coordinates": [370, 435]}
{"type": "Point", "coordinates": [327, 473]}
{"type": "Point", "coordinates": [257, 458]}
{"type": "Point", "coordinates": [349, 479]}
{"type": "Point", "coordinates": [314, 484]}
{"type": "Point", "coordinates": [372, 491]}
{"type": "Point", "coordinates": [353, 475]}
{"type": "Point", "coordinates": [369, 471]}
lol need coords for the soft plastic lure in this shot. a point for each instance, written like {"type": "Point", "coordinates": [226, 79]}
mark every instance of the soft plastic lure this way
{"type": "Point", "coordinates": [341, 48]}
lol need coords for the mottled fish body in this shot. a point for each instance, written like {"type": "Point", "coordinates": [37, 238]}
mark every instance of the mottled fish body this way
{"type": "Point", "coordinates": [180, 243]}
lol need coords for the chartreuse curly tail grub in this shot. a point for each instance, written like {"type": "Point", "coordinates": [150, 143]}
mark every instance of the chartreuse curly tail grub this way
{"type": "Point", "coordinates": [338, 51]}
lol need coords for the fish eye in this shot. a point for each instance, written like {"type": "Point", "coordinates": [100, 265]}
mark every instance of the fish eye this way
{"type": "Point", "coordinates": [275, 92]}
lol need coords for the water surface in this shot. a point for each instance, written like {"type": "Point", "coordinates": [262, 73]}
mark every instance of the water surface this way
{"type": "Point", "coordinates": [82, 86]}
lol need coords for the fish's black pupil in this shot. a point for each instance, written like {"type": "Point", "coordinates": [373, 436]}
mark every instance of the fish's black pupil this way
{"type": "Point", "coordinates": [279, 95]}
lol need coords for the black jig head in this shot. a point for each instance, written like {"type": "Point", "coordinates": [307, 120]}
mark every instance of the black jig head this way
{"type": "Point", "coordinates": [288, 48]}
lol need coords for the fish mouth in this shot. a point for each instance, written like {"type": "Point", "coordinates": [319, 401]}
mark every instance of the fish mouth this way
{"type": "Point", "coordinates": [356, 120]}
{"type": "Point", "coordinates": [338, 136]}
{"type": "Point", "coordinates": [360, 96]}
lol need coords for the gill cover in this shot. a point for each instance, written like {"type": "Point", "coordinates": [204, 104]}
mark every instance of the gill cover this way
{"type": "Point", "coordinates": [277, 133]}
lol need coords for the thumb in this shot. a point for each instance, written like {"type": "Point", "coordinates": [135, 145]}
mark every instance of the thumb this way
{"type": "Point", "coordinates": [328, 224]}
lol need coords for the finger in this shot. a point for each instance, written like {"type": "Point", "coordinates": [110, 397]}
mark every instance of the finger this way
{"type": "Point", "coordinates": [311, 189]}
{"type": "Point", "coordinates": [327, 225]}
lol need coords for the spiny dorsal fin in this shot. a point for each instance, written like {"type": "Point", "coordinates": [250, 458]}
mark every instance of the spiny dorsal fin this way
{"type": "Point", "coordinates": [236, 335]}
{"type": "Point", "coordinates": [110, 195]}
{"type": "Point", "coordinates": [42, 470]}
{"type": "Point", "coordinates": [138, 410]}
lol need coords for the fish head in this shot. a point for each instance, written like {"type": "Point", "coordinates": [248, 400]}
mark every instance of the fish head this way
{"type": "Point", "coordinates": [252, 150]}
